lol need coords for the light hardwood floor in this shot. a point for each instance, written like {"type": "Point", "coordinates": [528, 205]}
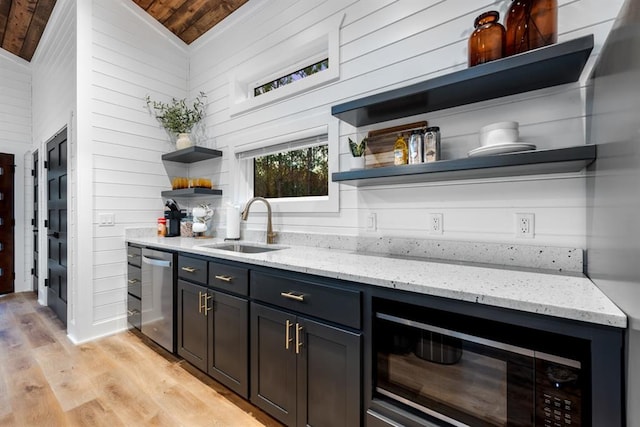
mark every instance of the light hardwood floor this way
{"type": "Point", "coordinates": [121, 380]}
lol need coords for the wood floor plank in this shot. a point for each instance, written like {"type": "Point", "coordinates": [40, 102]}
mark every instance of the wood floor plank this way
{"type": "Point", "coordinates": [120, 380]}
{"type": "Point", "coordinates": [94, 414]}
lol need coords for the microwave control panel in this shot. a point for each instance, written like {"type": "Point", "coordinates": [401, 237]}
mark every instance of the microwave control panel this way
{"type": "Point", "coordinates": [558, 395]}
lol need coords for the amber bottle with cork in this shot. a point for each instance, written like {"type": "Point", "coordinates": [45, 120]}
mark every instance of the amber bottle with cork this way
{"type": "Point", "coordinates": [531, 24]}
{"type": "Point", "coordinates": [487, 42]}
{"type": "Point", "coordinates": [400, 151]}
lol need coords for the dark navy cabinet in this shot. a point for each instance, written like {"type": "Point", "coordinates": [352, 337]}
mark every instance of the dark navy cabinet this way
{"type": "Point", "coordinates": [305, 371]}
{"type": "Point", "coordinates": [213, 333]}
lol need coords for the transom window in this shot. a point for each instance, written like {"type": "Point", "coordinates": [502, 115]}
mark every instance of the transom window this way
{"type": "Point", "coordinates": [292, 77]}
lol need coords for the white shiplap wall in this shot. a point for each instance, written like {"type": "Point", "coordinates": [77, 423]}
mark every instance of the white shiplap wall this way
{"type": "Point", "coordinates": [132, 56]}
{"type": "Point", "coordinates": [386, 44]}
{"type": "Point", "coordinates": [15, 138]}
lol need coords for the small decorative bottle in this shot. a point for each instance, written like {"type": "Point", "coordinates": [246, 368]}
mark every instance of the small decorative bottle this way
{"type": "Point", "coordinates": [400, 151]}
{"type": "Point", "coordinates": [487, 42]}
{"type": "Point", "coordinates": [415, 148]}
{"type": "Point", "coordinates": [531, 24]}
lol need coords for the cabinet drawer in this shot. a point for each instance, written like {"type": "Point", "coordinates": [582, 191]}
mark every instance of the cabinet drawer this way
{"type": "Point", "coordinates": [315, 299]}
{"type": "Point", "coordinates": [229, 278]}
{"type": "Point", "coordinates": [192, 269]}
{"type": "Point", "coordinates": [134, 311]}
{"type": "Point", "coordinates": [134, 255]}
{"type": "Point", "coordinates": [134, 280]}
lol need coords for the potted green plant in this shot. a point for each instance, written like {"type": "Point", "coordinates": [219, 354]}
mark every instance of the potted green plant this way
{"type": "Point", "coordinates": [177, 117]}
{"type": "Point", "coordinates": [357, 153]}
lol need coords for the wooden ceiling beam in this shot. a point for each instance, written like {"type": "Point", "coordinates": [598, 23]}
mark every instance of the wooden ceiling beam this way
{"type": "Point", "coordinates": [164, 9]}
{"type": "Point", "coordinates": [188, 13]}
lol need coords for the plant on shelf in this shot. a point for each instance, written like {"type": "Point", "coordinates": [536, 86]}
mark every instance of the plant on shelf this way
{"type": "Point", "coordinates": [177, 117]}
{"type": "Point", "coordinates": [357, 153]}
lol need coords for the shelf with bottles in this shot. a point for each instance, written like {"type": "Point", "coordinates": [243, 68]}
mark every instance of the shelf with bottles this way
{"type": "Point", "coordinates": [537, 69]}
{"type": "Point", "coordinates": [560, 160]}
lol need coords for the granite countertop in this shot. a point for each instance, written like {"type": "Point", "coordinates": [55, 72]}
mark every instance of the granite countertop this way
{"type": "Point", "coordinates": [569, 296]}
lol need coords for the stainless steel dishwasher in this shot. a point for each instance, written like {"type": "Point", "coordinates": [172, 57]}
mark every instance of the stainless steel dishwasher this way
{"type": "Point", "coordinates": [158, 270]}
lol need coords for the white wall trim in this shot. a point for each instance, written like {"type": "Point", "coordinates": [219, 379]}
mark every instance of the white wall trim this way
{"type": "Point", "coordinates": [5, 54]}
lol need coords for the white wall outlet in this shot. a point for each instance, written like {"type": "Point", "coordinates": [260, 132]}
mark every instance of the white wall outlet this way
{"type": "Point", "coordinates": [435, 223]}
{"type": "Point", "coordinates": [372, 222]}
{"type": "Point", "coordinates": [525, 225]}
{"type": "Point", "coordinates": [106, 220]}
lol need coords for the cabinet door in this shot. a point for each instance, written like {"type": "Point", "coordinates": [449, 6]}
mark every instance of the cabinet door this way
{"type": "Point", "coordinates": [273, 362]}
{"type": "Point", "coordinates": [329, 376]}
{"type": "Point", "coordinates": [229, 341]}
{"type": "Point", "coordinates": [192, 324]}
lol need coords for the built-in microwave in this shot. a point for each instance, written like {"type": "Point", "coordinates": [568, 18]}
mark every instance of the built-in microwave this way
{"type": "Point", "coordinates": [456, 370]}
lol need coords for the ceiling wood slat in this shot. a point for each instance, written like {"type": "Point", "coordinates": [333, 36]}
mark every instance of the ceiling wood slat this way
{"type": "Point", "coordinates": [5, 7]}
{"type": "Point", "coordinates": [20, 17]}
{"type": "Point", "coordinates": [36, 29]}
{"type": "Point", "coordinates": [22, 22]}
{"type": "Point", "coordinates": [222, 9]}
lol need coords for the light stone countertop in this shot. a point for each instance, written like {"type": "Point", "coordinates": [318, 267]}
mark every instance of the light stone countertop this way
{"type": "Point", "coordinates": [560, 295]}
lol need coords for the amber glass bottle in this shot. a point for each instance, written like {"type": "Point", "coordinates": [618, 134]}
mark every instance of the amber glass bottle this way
{"type": "Point", "coordinates": [531, 24]}
{"type": "Point", "coordinates": [487, 42]}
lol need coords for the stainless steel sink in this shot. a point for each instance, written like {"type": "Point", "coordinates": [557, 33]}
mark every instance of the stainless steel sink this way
{"type": "Point", "coordinates": [246, 248]}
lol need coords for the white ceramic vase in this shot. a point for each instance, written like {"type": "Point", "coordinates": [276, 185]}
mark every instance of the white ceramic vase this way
{"type": "Point", "coordinates": [356, 162]}
{"type": "Point", "coordinates": [183, 141]}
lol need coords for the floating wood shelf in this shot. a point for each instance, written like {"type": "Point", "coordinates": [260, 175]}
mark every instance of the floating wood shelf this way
{"type": "Point", "coordinates": [561, 160]}
{"type": "Point", "coordinates": [537, 69]}
{"type": "Point", "coordinates": [192, 154]}
{"type": "Point", "coordinates": [192, 192]}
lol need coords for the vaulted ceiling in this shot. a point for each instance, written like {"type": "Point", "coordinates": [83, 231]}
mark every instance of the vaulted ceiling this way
{"type": "Point", "coordinates": [22, 22]}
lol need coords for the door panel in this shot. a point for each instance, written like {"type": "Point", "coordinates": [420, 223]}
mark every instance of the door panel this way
{"type": "Point", "coordinates": [229, 341]}
{"type": "Point", "coordinates": [328, 376]}
{"type": "Point", "coordinates": [57, 224]}
{"type": "Point", "coordinates": [273, 366]}
{"type": "Point", "coordinates": [192, 324]}
{"type": "Point", "coordinates": [35, 221]}
{"type": "Point", "coordinates": [6, 224]}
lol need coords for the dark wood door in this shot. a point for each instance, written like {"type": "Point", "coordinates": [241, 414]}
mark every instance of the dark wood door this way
{"type": "Point", "coordinates": [57, 225]}
{"type": "Point", "coordinates": [192, 324]}
{"type": "Point", "coordinates": [229, 341]}
{"type": "Point", "coordinates": [35, 222]}
{"type": "Point", "coordinates": [328, 376]}
{"type": "Point", "coordinates": [273, 362]}
{"type": "Point", "coordinates": [7, 223]}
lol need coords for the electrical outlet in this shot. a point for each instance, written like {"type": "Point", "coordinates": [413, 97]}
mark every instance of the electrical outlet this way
{"type": "Point", "coordinates": [372, 222]}
{"type": "Point", "coordinates": [106, 219]}
{"type": "Point", "coordinates": [525, 225]}
{"type": "Point", "coordinates": [435, 223]}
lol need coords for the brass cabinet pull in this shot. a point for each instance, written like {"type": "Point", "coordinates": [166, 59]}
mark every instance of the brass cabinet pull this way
{"type": "Point", "coordinates": [189, 269]}
{"type": "Point", "coordinates": [207, 309]}
{"type": "Point", "coordinates": [291, 295]}
{"type": "Point", "coordinates": [131, 255]}
{"type": "Point", "coordinates": [132, 312]}
{"type": "Point", "coordinates": [225, 278]}
{"type": "Point", "coordinates": [200, 305]}
{"type": "Point", "coordinates": [298, 342]}
{"type": "Point", "coordinates": [132, 281]}
{"type": "Point", "coordinates": [287, 334]}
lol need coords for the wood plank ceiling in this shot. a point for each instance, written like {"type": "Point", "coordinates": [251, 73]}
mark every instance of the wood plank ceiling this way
{"type": "Point", "coordinates": [22, 22]}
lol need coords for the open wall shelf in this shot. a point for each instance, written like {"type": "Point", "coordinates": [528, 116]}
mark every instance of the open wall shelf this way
{"type": "Point", "coordinates": [192, 192]}
{"type": "Point", "coordinates": [192, 154]}
{"type": "Point", "coordinates": [537, 69]}
{"type": "Point", "coordinates": [561, 160]}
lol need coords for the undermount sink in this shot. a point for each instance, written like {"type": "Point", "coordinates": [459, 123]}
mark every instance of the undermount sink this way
{"type": "Point", "coordinates": [246, 248]}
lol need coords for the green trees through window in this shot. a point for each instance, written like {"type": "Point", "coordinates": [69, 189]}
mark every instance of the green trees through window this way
{"type": "Point", "coordinates": [296, 173]}
{"type": "Point", "coordinates": [290, 78]}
